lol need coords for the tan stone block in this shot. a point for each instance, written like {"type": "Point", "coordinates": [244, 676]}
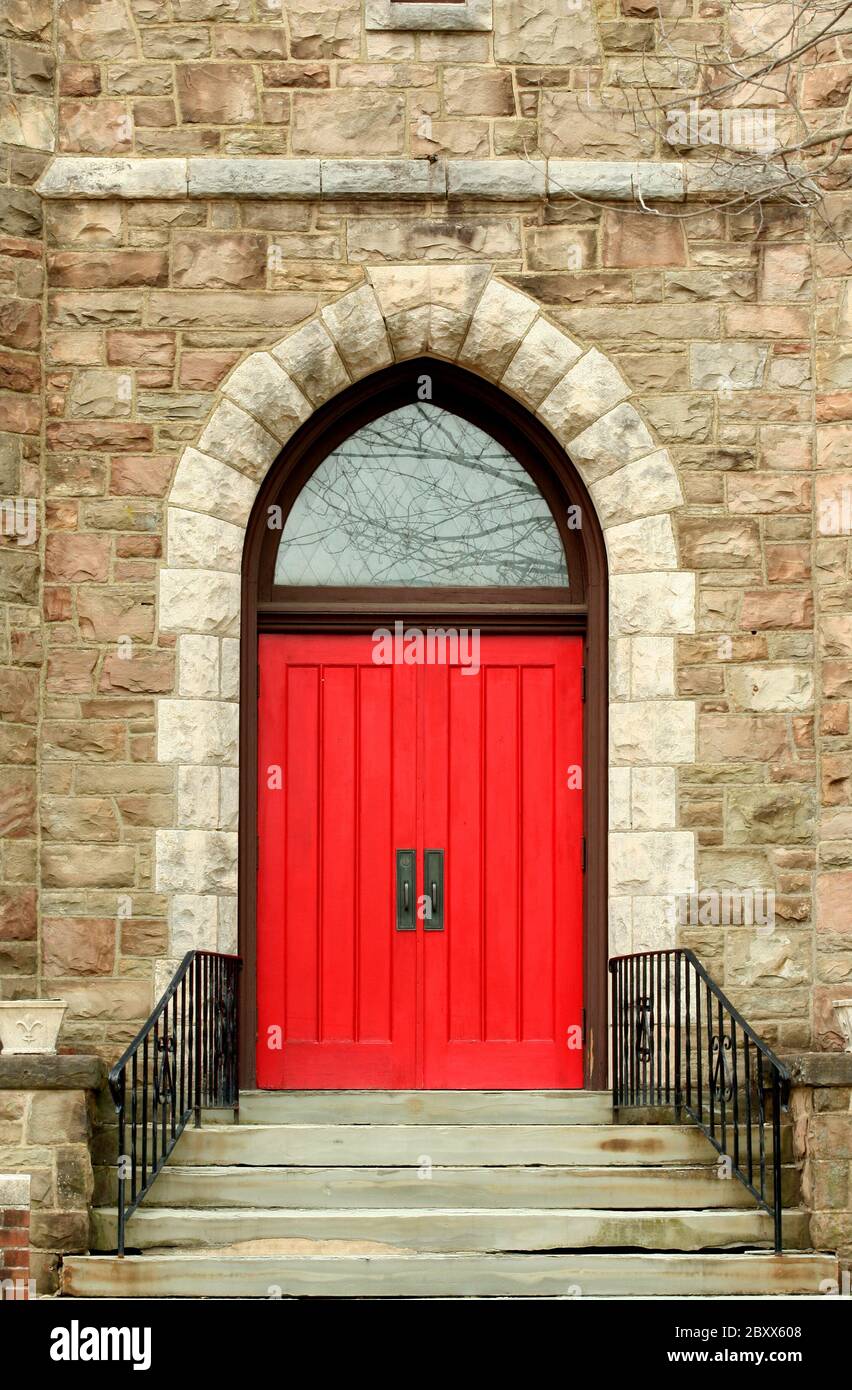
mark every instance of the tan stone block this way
{"type": "Point", "coordinates": [105, 615]}
{"type": "Point", "coordinates": [228, 310]}
{"type": "Point", "coordinates": [95, 127]}
{"type": "Point", "coordinates": [89, 223]}
{"type": "Point", "coordinates": [768, 493]}
{"type": "Point", "coordinates": [590, 388]}
{"type": "Point", "coordinates": [741, 738]}
{"type": "Point", "coordinates": [216, 93]}
{"type": "Point", "coordinates": [76, 558]}
{"type": "Point", "coordinates": [96, 29]}
{"type": "Point", "coordinates": [543, 31]}
{"type": "Point", "coordinates": [17, 805]}
{"type": "Point", "coordinates": [140, 475]}
{"type": "Point", "coordinates": [835, 634]}
{"type": "Point", "coordinates": [233, 436]}
{"type": "Point", "coordinates": [834, 895]}
{"type": "Point", "coordinates": [205, 260]}
{"type": "Point", "coordinates": [205, 371]}
{"type": "Point", "coordinates": [499, 322]}
{"type": "Point", "coordinates": [542, 359]}
{"type": "Point", "coordinates": [770, 609]}
{"type": "Point", "coordinates": [75, 866]}
{"type": "Point", "coordinates": [78, 946]}
{"type": "Point", "coordinates": [331, 30]}
{"type": "Point", "coordinates": [142, 672]}
{"type": "Point", "coordinates": [767, 815]}
{"type": "Point", "coordinates": [357, 123]}
{"type": "Point", "coordinates": [478, 92]}
{"type": "Point", "coordinates": [711, 543]}
{"type": "Point", "coordinates": [574, 127]}
{"type": "Point", "coordinates": [261, 387]}
{"type": "Point", "coordinates": [633, 239]}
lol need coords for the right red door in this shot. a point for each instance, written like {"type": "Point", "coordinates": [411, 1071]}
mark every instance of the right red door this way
{"type": "Point", "coordinates": [501, 795]}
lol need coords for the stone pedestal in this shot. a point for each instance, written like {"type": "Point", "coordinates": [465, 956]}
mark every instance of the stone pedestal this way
{"type": "Point", "coordinates": [821, 1112]}
{"type": "Point", "coordinates": [46, 1108]}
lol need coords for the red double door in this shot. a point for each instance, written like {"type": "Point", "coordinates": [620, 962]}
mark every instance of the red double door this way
{"type": "Point", "coordinates": [420, 879]}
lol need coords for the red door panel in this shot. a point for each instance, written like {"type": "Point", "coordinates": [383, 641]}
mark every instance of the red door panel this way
{"type": "Point", "coordinates": [503, 981]}
{"type": "Point", "coordinates": [357, 761]}
{"type": "Point", "coordinates": [336, 981]}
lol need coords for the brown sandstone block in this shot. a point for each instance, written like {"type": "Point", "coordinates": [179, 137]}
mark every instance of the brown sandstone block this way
{"type": "Point", "coordinates": [216, 93]}
{"type": "Point", "coordinates": [78, 946]}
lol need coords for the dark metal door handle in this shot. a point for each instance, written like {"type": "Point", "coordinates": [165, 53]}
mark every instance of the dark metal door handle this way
{"type": "Point", "coordinates": [405, 868]}
{"type": "Point", "coordinates": [433, 874]}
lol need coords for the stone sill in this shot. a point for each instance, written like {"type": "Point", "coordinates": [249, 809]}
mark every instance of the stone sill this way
{"type": "Point", "coordinates": [51, 1072]}
{"type": "Point", "coordinates": [502, 180]}
{"type": "Point", "coordinates": [819, 1068]}
{"type": "Point", "coordinates": [431, 15]}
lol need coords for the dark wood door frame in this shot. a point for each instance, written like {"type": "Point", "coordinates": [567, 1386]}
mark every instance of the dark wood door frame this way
{"type": "Point", "coordinates": [266, 608]}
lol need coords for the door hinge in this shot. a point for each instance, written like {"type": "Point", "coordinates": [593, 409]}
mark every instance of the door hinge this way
{"type": "Point", "coordinates": [584, 685]}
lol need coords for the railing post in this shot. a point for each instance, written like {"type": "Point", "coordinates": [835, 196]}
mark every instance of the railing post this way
{"type": "Point", "coordinates": [122, 1178]}
{"type": "Point", "coordinates": [677, 1032]}
{"type": "Point", "coordinates": [196, 966]}
{"type": "Point", "coordinates": [776, 1161]}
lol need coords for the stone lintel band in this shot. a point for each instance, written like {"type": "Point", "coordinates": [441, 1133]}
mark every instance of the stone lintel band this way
{"type": "Point", "coordinates": [506, 180]}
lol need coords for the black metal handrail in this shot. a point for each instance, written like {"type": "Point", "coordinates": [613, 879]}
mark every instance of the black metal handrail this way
{"type": "Point", "coordinates": [677, 1040]}
{"type": "Point", "coordinates": [182, 1059]}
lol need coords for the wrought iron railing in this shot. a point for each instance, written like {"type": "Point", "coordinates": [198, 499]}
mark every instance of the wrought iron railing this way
{"type": "Point", "coordinates": [182, 1060]}
{"type": "Point", "coordinates": [678, 1041]}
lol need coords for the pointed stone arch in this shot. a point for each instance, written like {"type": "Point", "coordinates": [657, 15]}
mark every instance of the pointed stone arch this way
{"type": "Point", "coordinates": [466, 315]}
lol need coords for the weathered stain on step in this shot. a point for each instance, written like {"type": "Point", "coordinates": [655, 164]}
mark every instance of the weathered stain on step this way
{"type": "Point", "coordinates": [290, 1245]}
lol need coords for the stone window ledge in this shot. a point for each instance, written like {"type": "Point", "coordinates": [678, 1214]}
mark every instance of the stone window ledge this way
{"type": "Point", "coordinates": [461, 15]}
{"type": "Point", "coordinates": [500, 180]}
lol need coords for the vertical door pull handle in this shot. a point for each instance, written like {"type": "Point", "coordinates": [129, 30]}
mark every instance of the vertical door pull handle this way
{"type": "Point", "coordinates": [433, 874]}
{"type": "Point", "coordinates": [405, 869]}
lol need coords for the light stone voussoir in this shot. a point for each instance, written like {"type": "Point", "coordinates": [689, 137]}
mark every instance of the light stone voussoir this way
{"type": "Point", "coordinates": [500, 320]}
{"type": "Point", "coordinates": [196, 541]}
{"type": "Point", "coordinates": [356, 324]}
{"type": "Point", "coordinates": [205, 484]}
{"type": "Point", "coordinates": [200, 601]}
{"type": "Point", "coordinates": [645, 544]}
{"type": "Point", "coordinates": [542, 359]}
{"type": "Point", "coordinates": [311, 359]}
{"type": "Point", "coordinates": [234, 437]}
{"type": "Point", "coordinates": [614, 440]}
{"type": "Point", "coordinates": [589, 389]}
{"type": "Point", "coordinates": [641, 488]}
{"type": "Point", "coordinates": [265, 390]}
{"type": "Point", "coordinates": [455, 287]}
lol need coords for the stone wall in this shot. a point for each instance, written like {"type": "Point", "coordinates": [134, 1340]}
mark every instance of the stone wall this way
{"type": "Point", "coordinates": [27, 117]}
{"type": "Point", "coordinates": [728, 326]}
{"type": "Point", "coordinates": [821, 1114]}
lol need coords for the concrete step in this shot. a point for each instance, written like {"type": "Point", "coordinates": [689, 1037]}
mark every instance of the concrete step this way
{"type": "Point", "coordinates": [414, 1145]}
{"type": "Point", "coordinates": [448, 1230]}
{"type": "Point", "coordinates": [421, 1107]}
{"type": "Point", "coordinates": [622, 1188]}
{"type": "Point", "coordinates": [444, 1276]}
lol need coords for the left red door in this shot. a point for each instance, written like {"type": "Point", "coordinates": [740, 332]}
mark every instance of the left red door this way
{"type": "Point", "coordinates": [337, 773]}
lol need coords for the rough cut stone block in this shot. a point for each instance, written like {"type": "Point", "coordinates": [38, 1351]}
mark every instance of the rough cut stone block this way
{"type": "Point", "coordinates": [382, 178]}
{"type": "Point", "coordinates": [70, 176]}
{"type": "Point", "coordinates": [645, 544]}
{"type": "Point", "coordinates": [549, 32]}
{"type": "Point", "coordinates": [653, 731]}
{"type": "Point", "coordinates": [617, 179]}
{"type": "Point", "coordinates": [200, 601]}
{"type": "Point", "coordinates": [312, 360]}
{"type": "Point", "coordinates": [654, 922]}
{"type": "Point", "coordinates": [653, 797]}
{"type": "Point", "coordinates": [205, 484]}
{"type": "Point", "coordinates": [651, 666]}
{"type": "Point", "coordinates": [499, 322]}
{"type": "Point", "coordinates": [612, 441]}
{"type": "Point", "coordinates": [192, 923]}
{"type": "Point", "coordinates": [586, 392]}
{"type": "Point", "coordinates": [234, 437]}
{"type": "Point", "coordinates": [766, 688]}
{"type": "Point", "coordinates": [253, 178]}
{"type": "Point", "coordinates": [196, 861]}
{"type": "Point", "coordinates": [640, 488]}
{"type": "Point", "coordinates": [455, 287]}
{"type": "Point", "coordinates": [651, 862]}
{"type": "Point", "coordinates": [196, 541]}
{"type": "Point", "coordinates": [198, 667]}
{"type": "Point", "coordinates": [427, 329]}
{"type": "Point", "coordinates": [504, 179]}
{"type": "Point", "coordinates": [542, 359]}
{"type": "Point", "coordinates": [652, 603]}
{"type": "Point", "coordinates": [428, 15]}
{"type": "Point", "coordinates": [197, 731]}
{"type": "Point", "coordinates": [261, 387]}
{"type": "Point", "coordinates": [355, 323]}
{"type": "Point", "coordinates": [727, 366]}
{"type": "Point", "coordinates": [198, 798]}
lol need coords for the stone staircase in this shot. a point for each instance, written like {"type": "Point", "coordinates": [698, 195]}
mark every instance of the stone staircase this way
{"type": "Point", "coordinates": [448, 1194]}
